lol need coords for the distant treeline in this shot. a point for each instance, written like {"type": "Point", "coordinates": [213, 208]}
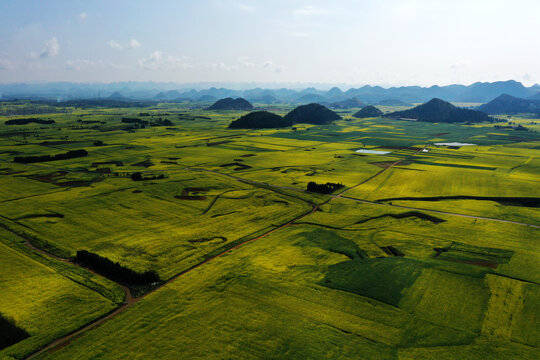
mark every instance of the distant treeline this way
{"type": "Point", "coordinates": [9, 332]}
{"type": "Point", "coordinates": [33, 159]}
{"type": "Point", "coordinates": [108, 103]}
{"type": "Point", "coordinates": [143, 123]}
{"type": "Point", "coordinates": [28, 121]}
{"type": "Point", "coordinates": [137, 176]}
{"type": "Point", "coordinates": [327, 188]}
{"type": "Point", "coordinates": [113, 270]}
{"type": "Point", "coordinates": [127, 120]}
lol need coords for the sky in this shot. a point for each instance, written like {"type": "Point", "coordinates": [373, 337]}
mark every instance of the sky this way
{"type": "Point", "coordinates": [377, 42]}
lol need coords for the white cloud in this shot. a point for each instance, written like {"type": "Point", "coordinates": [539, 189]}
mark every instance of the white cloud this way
{"type": "Point", "coordinates": [246, 62]}
{"type": "Point", "coordinates": [6, 64]}
{"type": "Point", "coordinates": [299, 34]}
{"type": "Point", "coordinates": [246, 8]}
{"type": "Point", "coordinates": [113, 44]}
{"type": "Point", "coordinates": [267, 64]}
{"type": "Point", "coordinates": [460, 65]}
{"type": "Point", "coordinates": [50, 49]}
{"type": "Point", "coordinates": [309, 10]}
{"type": "Point", "coordinates": [222, 66]}
{"type": "Point", "coordinates": [79, 64]}
{"type": "Point", "coordinates": [157, 61]}
{"type": "Point", "coordinates": [83, 16]}
{"type": "Point", "coordinates": [132, 44]}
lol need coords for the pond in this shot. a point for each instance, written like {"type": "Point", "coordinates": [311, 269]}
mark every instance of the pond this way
{"type": "Point", "coordinates": [377, 152]}
{"type": "Point", "coordinates": [453, 144]}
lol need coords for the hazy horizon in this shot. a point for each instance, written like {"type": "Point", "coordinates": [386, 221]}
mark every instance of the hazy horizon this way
{"type": "Point", "coordinates": [342, 43]}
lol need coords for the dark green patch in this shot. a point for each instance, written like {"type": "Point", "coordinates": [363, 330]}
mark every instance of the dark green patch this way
{"type": "Point", "coordinates": [405, 215]}
{"type": "Point", "coordinates": [382, 279]}
{"type": "Point", "coordinates": [330, 241]}
{"type": "Point", "coordinates": [9, 332]}
{"type": "Point", "coordinates": [509, 201]}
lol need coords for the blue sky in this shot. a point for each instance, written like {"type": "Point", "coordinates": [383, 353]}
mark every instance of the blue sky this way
{"type": "Point", "coordinates": [384, 42]}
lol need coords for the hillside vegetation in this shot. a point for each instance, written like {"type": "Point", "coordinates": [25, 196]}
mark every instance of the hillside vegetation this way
{"type": "Point", "coordinates": [437, 110]}
{"type": "Point", "coordinates": [367, 112]}
{"type": "Point", "coordinates": [231, 104]}
{"type": "Point", "coordinates": [260, 120]}
{"type": "Point", "coordinates": [313, 113]}
{"type": "Point", "coordinates": [507, 104]}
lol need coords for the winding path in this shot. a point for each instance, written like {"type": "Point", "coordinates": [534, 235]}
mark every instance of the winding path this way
{"type": "Point", "coordinates": [130, 300]}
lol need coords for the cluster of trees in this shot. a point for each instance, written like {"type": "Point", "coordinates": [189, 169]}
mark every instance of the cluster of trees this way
{"type": "Point", "coordinates": [137, 176]}
{"type": "Point", "coordinates": [143, 123]}
{"type": "Point", "coordinates": [42, 158]}
{"type": "Point", "coordinates": [127, 120]}
{"type": "Point", "coordinates": [9, 332]}
{"type": "Point", "coordinates": [29, 121]}
{"type": "Point", "coordinates": [115, 271]}
{"type": "Point", "coordinates": [327, 188]}
{"type": "Point", "coordinates": [161, 122]}
{"type": "Point", "coordinates": [107, 103]}
{"type": "Point", "coordinates": [519, 127]}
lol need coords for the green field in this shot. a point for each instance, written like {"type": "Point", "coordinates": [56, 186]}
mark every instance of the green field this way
{"type": "Point", "coordinates": [422, 255]}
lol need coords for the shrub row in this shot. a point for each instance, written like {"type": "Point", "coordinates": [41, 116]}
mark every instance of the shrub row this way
{"type": "Point", "coordinates": [113, 270]}
{"type": "Point", "coordinates": [323, 188]}
{"type": "Point", "coordinates": [9, 332]}
{"type": "Point", "coordinates": [33, 159]}
{"type": "Point", "coordinates": [28, 121]}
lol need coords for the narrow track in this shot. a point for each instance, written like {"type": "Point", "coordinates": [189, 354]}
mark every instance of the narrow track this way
{"type": "Point", "coordinates": [130, 301]}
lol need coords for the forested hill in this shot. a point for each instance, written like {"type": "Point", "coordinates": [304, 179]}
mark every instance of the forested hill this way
{"type": "Point", "coordinates": [507, 104]}
{"type": "Point", "coordinates": [260, 120]}
{"type": "Point", "coordinates": [312, 114]}
{"type": "Point", "coordinates": [231, 104]}
{"type": "Point", "coordinates": [437, 110]}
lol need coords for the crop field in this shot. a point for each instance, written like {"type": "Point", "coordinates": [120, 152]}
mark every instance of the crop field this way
{"type": "Point", "coordinates": [426, 252]}
{"type": "Point", "coordinates": [47, 299]}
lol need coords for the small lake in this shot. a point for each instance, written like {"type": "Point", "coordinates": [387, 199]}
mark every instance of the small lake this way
{"type": "Point", "coordinates": [454, 144]}
{"type": "Point", "coordinates": [377, 152]}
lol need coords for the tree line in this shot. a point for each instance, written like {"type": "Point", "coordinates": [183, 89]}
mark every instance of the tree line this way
{"type": "Point", "coordinates": [42, 158]}
{"type": "Point", "coordinates": [137, 176]}
{"type": "Point", "coordinates": [9, 332]}
{"type": "Point", "coordinates": [115, 271]}
{"type": "Point", "coordinates": [28, 121]}
{"type": "Point", "coordinates": [327, 188]}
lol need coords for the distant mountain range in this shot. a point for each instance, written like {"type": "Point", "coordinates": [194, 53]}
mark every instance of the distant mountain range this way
{"type": "Point", "coordinates": [477, 92]}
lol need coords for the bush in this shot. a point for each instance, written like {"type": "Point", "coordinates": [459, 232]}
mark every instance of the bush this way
{"type": "Point", "coordinates": [9, 332]}
{"type": "Point", "coordinates": [137, 176]}
{"type": "Point", "coordinates": [113, 270]}
{"type": "Point", "coordinates": [33, 159]}
{"type": "Point", "coordinates": [327, 188]}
